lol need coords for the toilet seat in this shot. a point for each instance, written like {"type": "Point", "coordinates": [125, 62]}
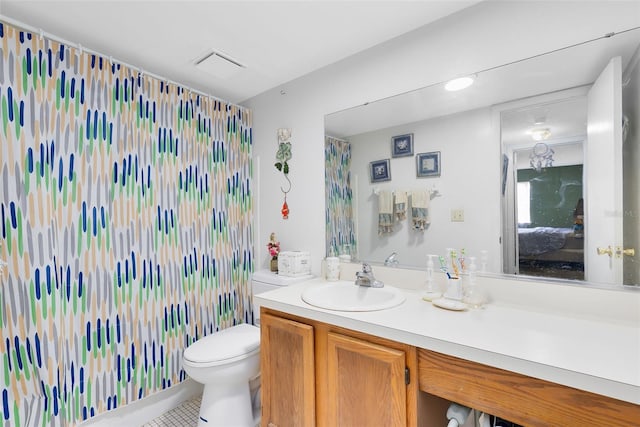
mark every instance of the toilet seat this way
{"type": "Point", "coordinates": [227, 346]}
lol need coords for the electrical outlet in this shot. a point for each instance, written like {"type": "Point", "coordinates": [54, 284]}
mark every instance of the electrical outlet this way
{"type": "Point", "coordinates": [457, 215]}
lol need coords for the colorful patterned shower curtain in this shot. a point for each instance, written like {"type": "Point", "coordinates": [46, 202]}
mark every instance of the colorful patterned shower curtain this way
{"type": "Point", "coordinates": [340, 234]}
{"type": "Point", "coordinates": [125, 209]}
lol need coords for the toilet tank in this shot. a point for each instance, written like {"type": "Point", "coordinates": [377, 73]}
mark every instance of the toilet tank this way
{"type": "Point", "coordinates": [266, 280]}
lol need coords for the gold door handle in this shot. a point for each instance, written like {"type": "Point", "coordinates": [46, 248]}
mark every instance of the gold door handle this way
{"type": "Point", "coordinates": [605, 251]}
{"type": "Point", "coordinates": [628, 252]}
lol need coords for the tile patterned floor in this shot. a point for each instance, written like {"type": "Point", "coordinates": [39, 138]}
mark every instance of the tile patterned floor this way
{"type": "Point", "coordinates": [185, 415]}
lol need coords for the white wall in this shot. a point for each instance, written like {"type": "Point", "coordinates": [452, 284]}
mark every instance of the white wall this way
{"type": "Point", "coordinates": [486, 35]}
{"type": "Point", "coordinates": [469, 180]}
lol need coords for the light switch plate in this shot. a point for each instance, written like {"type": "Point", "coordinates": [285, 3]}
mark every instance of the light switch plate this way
{"type": "Point", "coordinates": [457, 215]}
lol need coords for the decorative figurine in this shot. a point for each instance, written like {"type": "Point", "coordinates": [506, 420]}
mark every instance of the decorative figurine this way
{"type": "Point", "coordinates": [274, 249]}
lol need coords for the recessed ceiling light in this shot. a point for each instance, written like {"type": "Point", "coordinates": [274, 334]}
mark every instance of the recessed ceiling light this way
{"type": "Point", "coordinates": [459, 83]}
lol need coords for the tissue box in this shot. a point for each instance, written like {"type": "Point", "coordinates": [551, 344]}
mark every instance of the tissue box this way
{"type": "Point", "coordinates": [294, 263]}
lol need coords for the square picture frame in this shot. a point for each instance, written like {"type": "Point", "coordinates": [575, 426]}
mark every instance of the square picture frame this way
{"type": "Point", "coordinates": [428, 164]}
{"type": "Point", "coordinates": [402, 145]}
{"type": "Point", "coordinates": [380, 170]}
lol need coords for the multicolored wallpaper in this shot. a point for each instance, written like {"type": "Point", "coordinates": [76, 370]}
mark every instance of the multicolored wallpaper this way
{"type": "Point", "coordinates": [125, 220]}
{"type": "Point", "coordinates": [341, 238]}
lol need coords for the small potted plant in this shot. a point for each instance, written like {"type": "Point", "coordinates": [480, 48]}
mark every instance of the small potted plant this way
{"type": "Point", "coordinates": [274, 249]}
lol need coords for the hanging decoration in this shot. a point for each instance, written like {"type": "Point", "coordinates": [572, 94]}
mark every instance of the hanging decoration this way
{"type": "Point", "coordinates": [283, 155]}
{"type": "Point", "coordinates": [285, 208]}
{"type": "Point", "coordinates": [541, 156]}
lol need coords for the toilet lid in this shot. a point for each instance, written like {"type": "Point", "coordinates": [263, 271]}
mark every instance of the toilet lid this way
{"type": "Point", "coordinates": [234, 343]}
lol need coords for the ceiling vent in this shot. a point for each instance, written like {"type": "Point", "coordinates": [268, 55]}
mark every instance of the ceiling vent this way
{"type": "Point", "coordinates": [219, 65]}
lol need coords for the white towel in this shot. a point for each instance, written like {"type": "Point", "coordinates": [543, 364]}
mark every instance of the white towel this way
{"type": "Point", "coordinates": [385, 212]}
{"type": "Point", "coordinates": [400, 205]}
{"type": "Point", "coordinates": [420, 209]}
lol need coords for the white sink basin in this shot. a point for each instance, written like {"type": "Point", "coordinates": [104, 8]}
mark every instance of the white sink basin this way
{"type": "Point", "coordinates": [346, 296]}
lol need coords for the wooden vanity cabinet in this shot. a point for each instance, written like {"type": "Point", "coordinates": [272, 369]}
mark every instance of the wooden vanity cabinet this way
{"type": "Point", "coordinates": [365, 383]}
{"type": "Point", "coordinates": [357, 379]}
{"type": "Point", "coordinates": [287, 366]}
{"type": "Point", "coordinates": [319, 374]}
{"type": "Point", "coordinates": [519, 398]}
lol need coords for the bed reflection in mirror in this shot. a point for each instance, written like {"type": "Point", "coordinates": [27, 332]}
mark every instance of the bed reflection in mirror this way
{"type": "Point", "coordinates": [547, 199]}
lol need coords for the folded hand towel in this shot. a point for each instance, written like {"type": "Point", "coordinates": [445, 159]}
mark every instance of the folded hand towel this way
{"type": "Point", "coordinates": [420, 209]}
{"type": "Point", "coordinates": [385, 212]}
{"type": "Point", "coordinates": [400, 205]}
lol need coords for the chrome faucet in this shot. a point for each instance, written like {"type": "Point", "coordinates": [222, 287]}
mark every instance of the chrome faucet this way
{"type": "Point", "coordinates": [365, 277]}
{"type": "Point", "coordinates": [391, 260]}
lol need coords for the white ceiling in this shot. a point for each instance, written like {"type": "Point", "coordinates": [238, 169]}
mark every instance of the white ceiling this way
{"type": "Point", "coordinates": [278, 41]}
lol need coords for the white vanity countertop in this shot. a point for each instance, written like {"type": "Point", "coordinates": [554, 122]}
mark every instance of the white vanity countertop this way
{"type": "Point", "coordinates": [599, 356]}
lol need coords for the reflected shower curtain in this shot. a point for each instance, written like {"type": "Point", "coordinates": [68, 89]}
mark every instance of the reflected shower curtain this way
{"type": "Point", "coordinates": [125, 220]}
{"type": "Point", "coordinates": [340, 230]}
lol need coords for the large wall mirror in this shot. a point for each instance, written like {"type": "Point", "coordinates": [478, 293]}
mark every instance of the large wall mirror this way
{"type": "Point", "coordinates": [534, 169]}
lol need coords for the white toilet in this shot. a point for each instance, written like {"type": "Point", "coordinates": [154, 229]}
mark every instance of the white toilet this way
{"type": "Point", "coordinates": [225, 362]}
{"type": "Point", "coordinates": [228, 364]}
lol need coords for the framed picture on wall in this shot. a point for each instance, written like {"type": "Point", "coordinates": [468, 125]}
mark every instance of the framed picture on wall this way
{"type": "Point", "coordinates": [428, 164]}
{"type": "Point", "coordinates": [402, 145]}
{"type": "Point", "coordinates": [380, 170]}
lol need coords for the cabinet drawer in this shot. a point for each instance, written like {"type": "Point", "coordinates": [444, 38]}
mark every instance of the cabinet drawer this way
{"type": "Point", "coordinates": [519, 398]}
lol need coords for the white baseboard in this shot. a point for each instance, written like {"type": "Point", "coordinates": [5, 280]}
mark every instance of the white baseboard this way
{"type": "Point", "coordinates": [145, 410]}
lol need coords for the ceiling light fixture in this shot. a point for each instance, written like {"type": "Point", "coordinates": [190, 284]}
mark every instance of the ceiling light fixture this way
{"type": "Point", "coordinates": [459, 83]}
{"type": "Point", "coordinates": [539, 120]}
{"type": "Point", "coordinates": [540, 134]}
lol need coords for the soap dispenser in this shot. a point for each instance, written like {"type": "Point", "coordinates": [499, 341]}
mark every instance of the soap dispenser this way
{"type": "Point", "coordinates": [431, 291]}
{"type": "Point", "coordinates": [473, 295]}
{"type": "Point", "coordinates": [332, 266]}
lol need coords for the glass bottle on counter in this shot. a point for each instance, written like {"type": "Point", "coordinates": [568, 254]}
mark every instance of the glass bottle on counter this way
{"type": "Point", "coordinates": [431, 290]}
{"type": "Point", "coordinates": [473, 295]}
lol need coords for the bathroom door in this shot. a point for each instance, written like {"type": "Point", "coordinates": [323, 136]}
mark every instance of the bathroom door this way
{"type": "Point", "coordinates": [603, 177]}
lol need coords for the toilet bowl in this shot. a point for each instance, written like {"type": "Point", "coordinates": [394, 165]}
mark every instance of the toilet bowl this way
{"type": "Point", "coordinates": [225, 362]}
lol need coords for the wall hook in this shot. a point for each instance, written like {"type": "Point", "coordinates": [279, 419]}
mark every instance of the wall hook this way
{"type": "Point", "coordinates": [289, 189]}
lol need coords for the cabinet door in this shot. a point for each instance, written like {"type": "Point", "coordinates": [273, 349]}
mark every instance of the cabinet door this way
{"type": "Point", "coordinates": [366, 383]}
{"type": "Point", "coordinates": [288, 372]}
